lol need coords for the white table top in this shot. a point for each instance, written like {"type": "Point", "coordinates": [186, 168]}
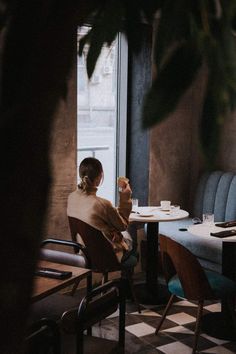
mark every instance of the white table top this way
{"type": "Point", "coordinates": [156, 214]}
{"type": "Point", "coordinates": [205, 230]}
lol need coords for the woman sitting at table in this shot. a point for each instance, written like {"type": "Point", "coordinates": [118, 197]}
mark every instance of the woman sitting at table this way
{"type": "Point", "coordinates": [98, 212]}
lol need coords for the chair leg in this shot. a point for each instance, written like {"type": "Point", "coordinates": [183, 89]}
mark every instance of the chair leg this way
{"type": "Point", "coordinates": [165, 313]}
{"type": "Point", "coordinates": [89, 284]}
{"type": "Point", "coordinates": [52, 326]}
{"type": "Point", "coordinates": [122, 309]}
{"type": "Point", "coordinates": [80, 342]}
{"type": "Point", "coordinates": [88, 290]}
{"type": "Point", "coordinates": [231, 309]}
{"type": "Point", "coordinates": [197, 327]}
{"type": "Point", "coordinates": [76, 284]}
{"type": "Point", "coordinates": [104, 278]}
{"type": "Point", "coordinates": [131, 285]}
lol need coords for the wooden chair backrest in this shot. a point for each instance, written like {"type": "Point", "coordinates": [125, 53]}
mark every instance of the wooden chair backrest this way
{"type": "Point", "coordinates": [177, 259]}
{"type": "Point", "coordinates": [99, 250]}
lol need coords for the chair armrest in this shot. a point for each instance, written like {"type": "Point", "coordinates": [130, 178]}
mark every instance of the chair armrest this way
{"type": "Point", "coordinates": [77, 246]}
{"type": "Point", "coordinates": [104, 287]}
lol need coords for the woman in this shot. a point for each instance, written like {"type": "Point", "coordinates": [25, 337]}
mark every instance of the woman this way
{"type": "Point", "coordinates": [98, 212]}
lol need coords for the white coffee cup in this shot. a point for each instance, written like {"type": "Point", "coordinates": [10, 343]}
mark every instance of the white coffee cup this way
{"type": "Point", "coordinates": [165, 204]}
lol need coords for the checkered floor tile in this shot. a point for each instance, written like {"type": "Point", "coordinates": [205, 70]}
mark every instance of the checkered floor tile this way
{"type": "Point", "coordinates": [175, 336]}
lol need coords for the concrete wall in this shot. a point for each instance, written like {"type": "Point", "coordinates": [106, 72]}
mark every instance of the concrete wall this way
{"type": "Point", "coordinates": [175, 157]}
{"type": "Point", "coordinates": [227, 154]}
{"type": "Point", "coordinates": [63, 161]}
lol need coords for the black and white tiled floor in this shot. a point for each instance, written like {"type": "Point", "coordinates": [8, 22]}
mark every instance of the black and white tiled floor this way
{"type": "Point", "coordinates": [175, 337]}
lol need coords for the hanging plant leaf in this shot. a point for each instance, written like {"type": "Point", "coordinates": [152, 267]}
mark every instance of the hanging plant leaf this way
{"type": "Point", "coordinates": [150, 7]}
{"type": "Point", "coordinates": [171, 28]}
{"type": "Point", "coordinates": [107, 23]}
{"type": "Point", "coordinates": [220, 54]}
{"type": "Point", "coordinates": [189, 32]}
{"type": "Point", "coordinates": [97, 39]}
{"type": "Point", "coordinates": [83, 41]}
{"type": "Point", "coordinates": [210, 129]}
{"type": "Point", "coordinates": [171, 84]}
{"type": "Point", "coordinates": [133, 26]}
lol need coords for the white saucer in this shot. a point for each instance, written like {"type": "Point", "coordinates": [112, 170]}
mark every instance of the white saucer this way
{"type": "Point", "coordinates": [144, 215]}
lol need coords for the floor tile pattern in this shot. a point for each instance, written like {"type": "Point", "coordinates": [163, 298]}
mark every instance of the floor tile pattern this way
{"type": "Point", "coordinates": [176, 335]}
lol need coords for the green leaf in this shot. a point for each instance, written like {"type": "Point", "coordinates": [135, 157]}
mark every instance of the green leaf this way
{"type": "Point", "coordinates": [149, 7]}
{"type": "Point", "coordinates": [85, 39]}
{"type": "Point", "coordinates": [132, 25]}
{"type": "Point", "coordinates": [107, 24]}
{"type": "Point", "coordinates": [172, 81]}
{"type": "Point", "coordinates": [210, 129]}
{"type": "Point", "coordinates": [174, 26]}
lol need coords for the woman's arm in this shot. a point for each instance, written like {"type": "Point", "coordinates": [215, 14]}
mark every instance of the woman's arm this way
{"type": "Point", "coordinates": [119, 217]}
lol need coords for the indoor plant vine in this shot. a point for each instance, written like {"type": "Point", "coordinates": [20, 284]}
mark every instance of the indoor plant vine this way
{"type": "Point", "coordinates": [189, 34]}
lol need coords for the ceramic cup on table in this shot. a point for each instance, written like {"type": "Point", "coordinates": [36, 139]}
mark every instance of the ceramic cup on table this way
{"type": "Point", "coordinates": [165, 204]}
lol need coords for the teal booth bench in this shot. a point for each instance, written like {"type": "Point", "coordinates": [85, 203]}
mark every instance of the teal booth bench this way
{"type": "Point", "coordinates": [216, 193]}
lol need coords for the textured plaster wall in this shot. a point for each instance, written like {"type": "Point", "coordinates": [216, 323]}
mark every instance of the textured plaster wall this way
{"type": "Point", "coordinates": [63, 161]}
{"type": "Point", "coordinates": [227, 154]}
{"type": "Point", "coordinates": [175, 158]}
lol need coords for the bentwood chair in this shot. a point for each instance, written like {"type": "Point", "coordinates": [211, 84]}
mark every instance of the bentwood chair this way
{"type": "Point", "coordinates": [100, 253]}
{"type": "Point", "coordinates": [187, 279]}
{"type": "Point", "coordinates": [94, 307]}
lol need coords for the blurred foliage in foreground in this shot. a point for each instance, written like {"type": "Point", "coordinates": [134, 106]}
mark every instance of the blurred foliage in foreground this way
{"type": "Point", "coordinates": [189, 34]}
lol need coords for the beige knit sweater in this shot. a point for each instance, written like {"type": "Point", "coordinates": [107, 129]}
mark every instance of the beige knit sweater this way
{"type": "Point", "coordinates": [100, 213]}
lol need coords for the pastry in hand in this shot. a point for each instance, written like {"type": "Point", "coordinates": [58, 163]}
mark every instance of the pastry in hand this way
{"type": "Point", "coordinates": [122, 182]}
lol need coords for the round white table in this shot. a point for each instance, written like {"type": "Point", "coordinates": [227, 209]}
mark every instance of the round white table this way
{"type": "Point", "coordinates": [151, 216]}
{"type": "Point", "coordinates": [205, 230]}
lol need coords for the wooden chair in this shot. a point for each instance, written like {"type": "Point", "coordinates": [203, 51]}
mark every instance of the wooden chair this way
{"type": "Point", "coordinates": [187, 279]}
{"type": "Point", "coordinates": [100, 253]}
{"type": "Point", "coordinates": [54, 305]}
{"type": "Point", "coordinates": [94, 307]}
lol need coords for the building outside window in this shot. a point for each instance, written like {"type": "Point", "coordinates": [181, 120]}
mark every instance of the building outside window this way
{"type": "Point", "coordinates": [101, 112]}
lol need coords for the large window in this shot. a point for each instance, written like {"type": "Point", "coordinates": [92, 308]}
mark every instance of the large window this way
{"type": "Point", "coordinates": [101, 112]}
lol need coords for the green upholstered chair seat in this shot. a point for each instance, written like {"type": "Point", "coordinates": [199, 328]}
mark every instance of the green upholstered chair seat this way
{"type": "Point", "coordinates": [187, 279]}
{"type": "Point", "coordinates": [222, 287]}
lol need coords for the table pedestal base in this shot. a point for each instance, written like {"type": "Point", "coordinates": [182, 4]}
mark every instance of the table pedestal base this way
{"type": "Point", "coordinates": [219, 326]}
{"type": "Point", "coordinates": [158, 296]}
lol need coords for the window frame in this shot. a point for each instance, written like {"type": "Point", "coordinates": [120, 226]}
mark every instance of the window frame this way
{"type": "Point", "coordinates": [121, 115]}
{"type": "Point", "coordinates": [120, 126]}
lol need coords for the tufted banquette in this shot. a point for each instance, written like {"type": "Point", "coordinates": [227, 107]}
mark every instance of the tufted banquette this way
{"type": "Point", "coordinates": [216, 193]}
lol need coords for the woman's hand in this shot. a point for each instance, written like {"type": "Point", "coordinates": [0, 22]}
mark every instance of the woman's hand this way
{"type": "Point", "coordinates": [126, 190]}
{"type": "Point", "coordinates": [117, 237]}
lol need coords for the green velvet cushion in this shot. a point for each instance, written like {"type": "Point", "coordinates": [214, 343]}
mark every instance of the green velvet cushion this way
{"type": "Point", "coordinates": [222, 287]}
